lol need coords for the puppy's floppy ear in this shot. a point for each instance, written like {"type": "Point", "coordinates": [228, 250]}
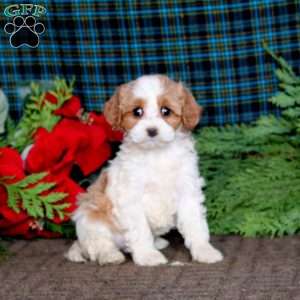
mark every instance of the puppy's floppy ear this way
{"type": "Point", "coordinates": [191, 111]}
{"type": "Point", "coordinates": [112, 110]}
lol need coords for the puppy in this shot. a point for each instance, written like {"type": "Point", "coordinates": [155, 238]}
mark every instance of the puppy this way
{"type": "Point", "coordinates": [152, 185]}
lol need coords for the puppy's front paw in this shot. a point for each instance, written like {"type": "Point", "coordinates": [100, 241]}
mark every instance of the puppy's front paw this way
{"type": "Point", "coordinates": [149, 258]}
{"type": "Point", "coordinates": [113, 257]}
{"type": "Point", "coordinates": [206, 253]}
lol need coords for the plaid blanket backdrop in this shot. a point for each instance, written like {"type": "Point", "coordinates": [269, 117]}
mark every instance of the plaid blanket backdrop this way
{"type": "Point", "coordinates": [215, 47]}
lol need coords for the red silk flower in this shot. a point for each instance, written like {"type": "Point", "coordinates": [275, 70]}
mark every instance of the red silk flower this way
{"type": "Point", "coordinates": [77, 139]}
{"type": "Point", "coordinates": [71, 142]}
{"type": "Point", "coordinates": [50, 98]}
{"type": "Point", "coordinates": [11, 222]}
{"type": "Point", "coordinates": [70, 109]}
{"type": "Point", "coordinates": [20, 224]}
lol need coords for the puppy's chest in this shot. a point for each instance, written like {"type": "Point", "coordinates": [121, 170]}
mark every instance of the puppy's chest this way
{"type": "Point", "coordinates": [159, 194]}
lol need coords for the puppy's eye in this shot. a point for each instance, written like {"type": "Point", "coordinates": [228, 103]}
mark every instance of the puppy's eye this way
{"type": "Point", "coordinates": [138, 112]}
{"type": "Point", "coordinates": [165, 111]}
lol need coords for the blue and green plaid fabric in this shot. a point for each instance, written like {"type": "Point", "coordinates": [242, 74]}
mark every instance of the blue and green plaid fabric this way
{"type": "Point", "coordinates": [215, 47]}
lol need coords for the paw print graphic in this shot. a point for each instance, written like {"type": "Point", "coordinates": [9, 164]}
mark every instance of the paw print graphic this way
{"type": "Point", "coordinates": [24, 31]}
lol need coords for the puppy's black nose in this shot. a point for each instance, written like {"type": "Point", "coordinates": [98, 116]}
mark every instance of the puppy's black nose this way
{"type": "Point", "coordinates": [152, 132]}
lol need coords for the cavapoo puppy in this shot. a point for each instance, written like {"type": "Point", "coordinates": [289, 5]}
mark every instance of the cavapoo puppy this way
{"type": "Point", "coordinates": [152, 185]}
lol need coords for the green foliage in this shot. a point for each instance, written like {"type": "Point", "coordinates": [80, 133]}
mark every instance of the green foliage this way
{"type": "Point", "coordinates": [252, 195]}
{"type": "Point", "coordinates": [253, 171]}
{"type": "Point", "coordinates": [35, 197]}
{"type": "Point", "coordinates": [289, 97]}
{"type": "Point", "coordinates": [37, 113]}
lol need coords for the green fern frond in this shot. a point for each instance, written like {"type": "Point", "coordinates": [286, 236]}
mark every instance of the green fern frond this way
{"type": "Point", "coordinates": [253, 171]}
{"type": "Point", "coordinates": [39, 113]}
{"type": "Point", "coordinates": [31, 198]}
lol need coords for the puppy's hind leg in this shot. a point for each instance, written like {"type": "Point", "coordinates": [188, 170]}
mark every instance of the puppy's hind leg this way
{"type": "Point", "coordinates": [97, 243]}
{"type": "Point", "coordinates": [108, 253]}
{"type": "Point", "coordinates": [95, 226]}
{"type": "Point", "coordinates": [95, 240]}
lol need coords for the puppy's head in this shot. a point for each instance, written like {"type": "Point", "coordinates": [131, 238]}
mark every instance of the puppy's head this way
{"type": "Point", "coordinates": [151, 109]}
